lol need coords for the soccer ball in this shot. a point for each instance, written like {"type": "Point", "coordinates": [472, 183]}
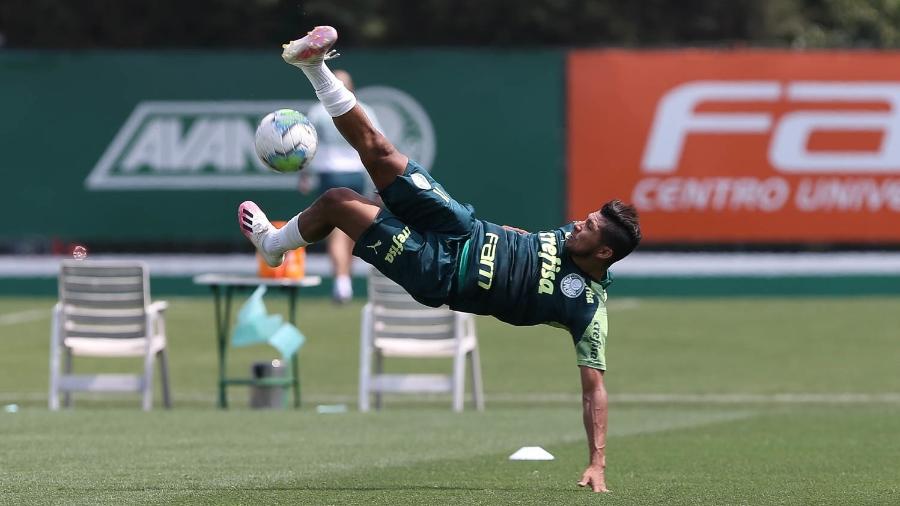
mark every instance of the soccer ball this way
{"type": "Point", "coordinates": [286, 141]}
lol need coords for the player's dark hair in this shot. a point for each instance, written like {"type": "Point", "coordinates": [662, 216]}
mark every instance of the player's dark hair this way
{"type": "Point", "coordinates": [622, 230]}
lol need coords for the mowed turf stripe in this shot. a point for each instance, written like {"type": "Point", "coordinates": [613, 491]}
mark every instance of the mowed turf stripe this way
{"type": "Point", "coordinates": [522, 398]}
{"type": "Point", "coordinates": [251, 449]}
{"type": "Point", "coordinates": [217, 454]}
{"type": "Point", "coordinates": [29, 315]}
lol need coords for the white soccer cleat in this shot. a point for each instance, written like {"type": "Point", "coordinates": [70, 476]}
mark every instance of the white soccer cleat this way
{"type": "Point", "coordinates": [256, 227]}
{"type": "Point", "coordinates": [313, 49]}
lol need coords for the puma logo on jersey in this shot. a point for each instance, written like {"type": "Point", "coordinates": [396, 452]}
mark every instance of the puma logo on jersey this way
{"type": "Point", "coordinates": [375, 246]}
{"type": "Point", "coordinates": [397, 246]}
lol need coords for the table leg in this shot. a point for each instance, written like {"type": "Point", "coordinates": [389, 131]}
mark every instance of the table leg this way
{"type": "Point", "coordinates": [222, 303]}
{"type": "Point", "coordinates": [217, 304]}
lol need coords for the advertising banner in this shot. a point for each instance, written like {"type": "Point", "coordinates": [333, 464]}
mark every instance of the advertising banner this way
{"type": "Point", "coordinates": [156, 147]}
{"type": "Point", "coordinates": [739, 146]}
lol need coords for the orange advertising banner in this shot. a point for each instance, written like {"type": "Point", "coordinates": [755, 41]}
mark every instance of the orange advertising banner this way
{"type": "Point", "coordinates": [739, 146]}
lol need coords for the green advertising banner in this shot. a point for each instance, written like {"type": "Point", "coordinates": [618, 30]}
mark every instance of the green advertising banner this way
{"type": "Point", "coordinates": [158, 146]}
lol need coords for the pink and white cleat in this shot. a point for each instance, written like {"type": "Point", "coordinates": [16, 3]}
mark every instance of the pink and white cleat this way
{"type": "Point", "coordinates": [312, 49]}
{"type": "Point", "coordinates": [256, 227]}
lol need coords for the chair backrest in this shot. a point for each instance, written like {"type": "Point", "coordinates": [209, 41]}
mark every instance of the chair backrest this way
{"type": "Point", "coordinates": [103, 299]}
{"type": "Point", "coordinates": [395, 314]}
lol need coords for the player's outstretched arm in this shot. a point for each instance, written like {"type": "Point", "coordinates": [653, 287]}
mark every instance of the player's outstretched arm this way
{"type": "Point", "coordinates": [593, 394]}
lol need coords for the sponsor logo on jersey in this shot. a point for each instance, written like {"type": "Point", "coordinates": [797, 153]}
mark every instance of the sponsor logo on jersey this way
{"type": "Point", "coordinates": [550, 262]}
{"type": "Point", "coordinates": [595, 340]}
{"type": "Point", "coordinates": [397, 247]}
{"type": "Point", "coordinates": [588, 295]}
{"type": "Point", "coordinates": [572, 285]}
{"type": "Point", "coordinates": [486, 263]}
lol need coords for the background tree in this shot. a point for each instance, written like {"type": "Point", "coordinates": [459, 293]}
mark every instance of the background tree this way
{"type": "Point", "coordinates": [496, 23]}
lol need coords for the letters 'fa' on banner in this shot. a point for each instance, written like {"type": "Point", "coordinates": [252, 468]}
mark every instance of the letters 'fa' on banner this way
{"type": "Point", "coordinates": [739, 146]}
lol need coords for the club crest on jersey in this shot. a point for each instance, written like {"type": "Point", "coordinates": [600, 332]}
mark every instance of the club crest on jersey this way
{"type": "Point", "coordinates": [572, 285]}
{"type": "Point", "coordinates": [420, 181]}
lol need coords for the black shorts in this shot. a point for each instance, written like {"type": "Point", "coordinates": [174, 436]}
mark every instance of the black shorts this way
{"type": "Point", "coordinates": [356, 181]}
{"type": "Point", "coordinates": [416, 241]}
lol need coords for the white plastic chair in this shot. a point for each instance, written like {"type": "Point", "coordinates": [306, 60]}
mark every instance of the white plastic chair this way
{"type": "Point", "coordinates": [395, 325]}
{"type": "Point", "coordinates": [104, 310]}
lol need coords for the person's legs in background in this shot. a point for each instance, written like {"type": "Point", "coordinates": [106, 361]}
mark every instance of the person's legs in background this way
{"type": "Point", "coordinates": [340, 251]}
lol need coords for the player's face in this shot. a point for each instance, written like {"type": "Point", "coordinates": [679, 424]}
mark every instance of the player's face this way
{"type": "Point", "coordinates": [586, 237]}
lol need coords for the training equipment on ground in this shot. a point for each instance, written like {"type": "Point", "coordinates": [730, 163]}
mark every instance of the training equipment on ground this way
{"type": "Point", "coordinates": [286, 141]}
{"type": "Point", "coordinates": [531, 453]}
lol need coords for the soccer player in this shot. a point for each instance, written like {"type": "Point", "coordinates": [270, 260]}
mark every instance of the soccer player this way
{"type": "Point", "coordinates": [437, 249]}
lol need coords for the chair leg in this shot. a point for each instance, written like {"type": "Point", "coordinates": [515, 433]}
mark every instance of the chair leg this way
{"type": "Point", "coordinates": [147, 382]}
{"type": "Point", "coordinates": [365, 360]}
{"type": "Point", "coordinates": [67, 370]}
{"type": "Point", "coordinates": [164, 377]}
{"type": "Point", "coordinates": [379, 368]}
{"type": "Point", "coordinates": [477, 391]}
{"type": "Point", "coordinates": [459, 381]}
{"type": "Point", "coordinates": [53, 397]}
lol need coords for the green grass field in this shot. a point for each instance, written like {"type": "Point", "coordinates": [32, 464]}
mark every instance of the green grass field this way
{"type": "Point", "coordinates": [700, 414]}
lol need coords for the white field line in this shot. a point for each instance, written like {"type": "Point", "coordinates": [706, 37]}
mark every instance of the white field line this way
{"type": "Point", "coordinates": [623, 304]}
{"type": "Point", "coordinates": [240, 399]}
{"type": "Point", "coordinates": [29, 315]}
{"type": "Point", "coordinates": [693, 420]}
{"type": "Point", "coordinates": [640, 264]}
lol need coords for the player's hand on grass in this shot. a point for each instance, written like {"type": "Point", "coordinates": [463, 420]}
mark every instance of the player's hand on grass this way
{"type": "Point", "coordinates": [595, 478]}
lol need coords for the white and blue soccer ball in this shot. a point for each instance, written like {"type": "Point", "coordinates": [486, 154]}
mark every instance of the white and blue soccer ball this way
{"type": "Point", "coordinates": [286, 141]}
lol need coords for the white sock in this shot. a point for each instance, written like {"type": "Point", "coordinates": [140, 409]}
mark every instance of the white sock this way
{"type": "Point", "coordinates": [320, 76]}
{"type": "Point", "coordinates": [336, 98]}
{"type": "Point", "coordinates": [285, 238]}
{"type": "Point", "coordinates": [343, 287]}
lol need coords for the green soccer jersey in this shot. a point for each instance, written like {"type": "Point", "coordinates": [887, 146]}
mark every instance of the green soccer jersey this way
{"type": "Point", "coordinates": [528, 279]}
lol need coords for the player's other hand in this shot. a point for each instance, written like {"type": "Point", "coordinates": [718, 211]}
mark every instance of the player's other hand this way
{"type": "Point", "coordinates": [594, 477]}
{"type": "Point", "coordinates": [515, 229]}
